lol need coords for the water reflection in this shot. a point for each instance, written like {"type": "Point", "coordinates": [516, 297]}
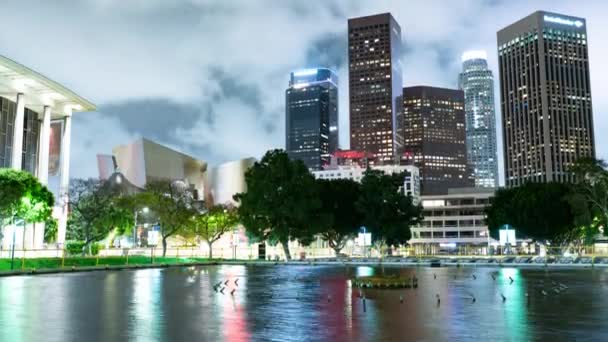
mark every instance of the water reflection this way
{"type": "Point", "coordinates": [301, 303]}
{"type": "Point", "coordinates": [145, 307]}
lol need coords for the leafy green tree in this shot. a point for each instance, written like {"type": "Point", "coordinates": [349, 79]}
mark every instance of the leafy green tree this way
{"type": "Point", "coordinates": [339, 217]}
{"type": "Point", "coordinates": [215, 222]}
{"type": "Point", "coordinates": [591, 192]}
{"type": "Point", "coordinates": [172, 202]}
{"type": "Point", "coordinates": [50, 230]}
{"type": "Point", "coordinates": [281, 200]}
{"type": "Point", "coordinates": [23, 197]}
{"type": "Point", "coordinates": [387, 212]}
{"type": "Point", "coordinates": [94, 212]}
{"type": "Point", "coordinates": [540, 211]}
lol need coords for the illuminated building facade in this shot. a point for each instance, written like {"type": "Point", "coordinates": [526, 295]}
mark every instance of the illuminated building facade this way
{"type": "Point", "coordinates": [374, 48]}
{"type": "Point", "coordinates": [35, 136]}
{"type": "Point", "coordinates": [143, 161]}
{"type": "Point", "coordinates": [411, 176]}
{"type": "Point", "coordinates": [311, 116]}
{"type": "Point", "coordinates": [545, 96]}
{"type": "Point", "coordinates": [477, 83]}
{"type": "Point", "coordinates": [226, 180]}
{"type": "Point", "coordinates": [352, 158]}
{"type": "Point", "coordinates": [433, 125]}
{"type": "Point", "coordinates": [452, 220]}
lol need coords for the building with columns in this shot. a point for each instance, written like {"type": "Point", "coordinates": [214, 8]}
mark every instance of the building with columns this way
{"type": "Point", "coordinates": [35, 129]}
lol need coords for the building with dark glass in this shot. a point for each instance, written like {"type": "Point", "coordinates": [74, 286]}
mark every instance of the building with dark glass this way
{"type": "Point", "coordinates": [374, 47]}
{"type": "Point", "coordinates": [311, 116]}
{"type": "Point", "coordinates": [545, 97]}
{"type": "Point", "coordinates": [433, 127]}
{"type": "Point", "coordinates": [477, 83]}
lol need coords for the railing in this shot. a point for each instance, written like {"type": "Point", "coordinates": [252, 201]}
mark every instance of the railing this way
{"type": "Point", "coordinates": [58, 258]}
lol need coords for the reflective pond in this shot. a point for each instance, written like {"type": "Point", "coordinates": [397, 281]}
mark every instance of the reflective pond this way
{"type": "Point", "coordinates": [305, 303]}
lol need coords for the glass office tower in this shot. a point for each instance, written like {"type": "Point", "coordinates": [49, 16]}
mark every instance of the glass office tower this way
{"type": "Point", "coordinates": [311, 116]}
{"type": "Point", "coordinates": [545, 96]}
{"type": "Point", "coordinates": [477, 82]}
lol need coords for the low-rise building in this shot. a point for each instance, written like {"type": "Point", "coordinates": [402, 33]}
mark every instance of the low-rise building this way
{"type": "Point", "coordinates": [453, 222]}
{"type": "Point", "coordinates": [411, 180]}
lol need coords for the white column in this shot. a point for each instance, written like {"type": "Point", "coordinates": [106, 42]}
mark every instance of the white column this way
{"type": "Point", "coordinates": [17, 154]}
{"type": "Point", "coordinates": [65, 175]}
{"type": "Point", "coordinates": [43, 146]}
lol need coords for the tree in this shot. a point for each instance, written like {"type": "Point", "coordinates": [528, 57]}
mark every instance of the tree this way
{"type": "Point", "coordinates": [591, 191]}
{"type": "Point", "coordinates": [280, 201]}
{"type": "Point", "coordinates": [50, 230]}
{"type": "Point", "coordinates": [387, 212]}
{"type": "Point", "coordinates": [22, 196]}
{"type": "Point", "coordinates": [214, 222]}
{"type": "Point", "coordinates": [539, 211]}
{"type": "Point", "coordinates": [94, 212]}
{"type": "Point", "coordinates": [339, 216]}
{"type": "Point", "coordinates": [174, 204]}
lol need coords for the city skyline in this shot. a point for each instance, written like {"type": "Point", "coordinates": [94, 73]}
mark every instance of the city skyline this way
{"type": "Point", "coordinates": [211, 120]}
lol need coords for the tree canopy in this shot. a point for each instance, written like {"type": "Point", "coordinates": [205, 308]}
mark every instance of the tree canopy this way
{"type": "Point", "coordinates": [281, 200]}
{"type": "Point", "coordinates": [387, 212]}
{"type": "Point", "coordinates": [214, 222]}
{"type": "Point", "coordinates": [339, 217]}
{"type": "Point", "coordinates": [539, 211]}
{"type": "Point", "coordinates": [174, 204]}
{"type": "Point", "coordinates": [23, 196]}
{"type": "Point", "coordinates": [590, 195]}
{"type": "Point", "coordinates": [94, 211]}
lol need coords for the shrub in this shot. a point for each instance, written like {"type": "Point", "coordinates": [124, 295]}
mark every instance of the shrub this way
{"type": "Point", "coordinates": [95, 247]}
{"type": "Point", "coordinates": [74, 247]}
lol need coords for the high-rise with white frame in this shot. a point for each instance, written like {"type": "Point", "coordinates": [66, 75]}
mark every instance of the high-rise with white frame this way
{"type": "Point", "coordinates": [477, 82]}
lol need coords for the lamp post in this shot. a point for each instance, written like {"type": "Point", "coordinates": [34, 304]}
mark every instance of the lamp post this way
{"type": "Point", "coordinates": [144, 211]}
{"type": "Point", "coordinates": [13, 246]}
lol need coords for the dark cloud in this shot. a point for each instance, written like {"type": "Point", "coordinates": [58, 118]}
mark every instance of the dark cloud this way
{"type": "Point", "coordinates": [330, 51]}
{"type": "Point", "coordinates": [152, 118]}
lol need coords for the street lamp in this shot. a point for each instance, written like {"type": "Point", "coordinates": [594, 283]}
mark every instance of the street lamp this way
{"type": "Point", "coordinates": [144, 211]}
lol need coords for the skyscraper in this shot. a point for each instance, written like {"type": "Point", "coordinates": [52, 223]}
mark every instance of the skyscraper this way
{"type": "Point", "coordinates": [477, 82]}
{"type": "Point", "coordinates": [311, 120]}
{"type": "Point", "coordinates": [545, 97]}
{"type": "Point", "coordinates": [434, 130]}
{"type": "Point", "coordinates": [374, 46]}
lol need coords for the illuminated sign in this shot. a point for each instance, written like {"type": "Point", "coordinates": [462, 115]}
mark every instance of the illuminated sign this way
{"type": "Point", "coordinates": [300, 85]}
{"type": "Point", "coordinates": [563, 21]}
{"type": "Point", "coordinates": [305, 72]}
{"type": "Point", "coordinates": [507, 236]}
{"type": "Point", "coordinates": [364, 239]}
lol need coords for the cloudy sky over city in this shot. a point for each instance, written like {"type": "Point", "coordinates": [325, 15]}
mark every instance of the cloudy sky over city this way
{"type": "Point", "coordinates": [208, 77]}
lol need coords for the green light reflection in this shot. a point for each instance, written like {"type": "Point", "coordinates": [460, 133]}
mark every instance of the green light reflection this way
{"type": "Point", "coordinates": [515, 306]}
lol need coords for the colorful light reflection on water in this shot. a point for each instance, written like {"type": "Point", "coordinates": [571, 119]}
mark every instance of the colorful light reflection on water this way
{"type": "Point", "coordinates": [302, 303]}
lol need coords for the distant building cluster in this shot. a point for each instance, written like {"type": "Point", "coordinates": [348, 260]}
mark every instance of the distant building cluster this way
{"type": "Point", "coordinates": [447, 137]}
{"type": "Point", "coordinates": [442, 140]}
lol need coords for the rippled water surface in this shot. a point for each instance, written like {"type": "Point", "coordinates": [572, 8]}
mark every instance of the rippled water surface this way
{"type": "Point", "coordinates": [305, 303]}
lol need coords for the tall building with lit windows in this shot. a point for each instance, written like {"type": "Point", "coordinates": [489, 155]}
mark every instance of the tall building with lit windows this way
{"type": "Point", "coordinates": [311, 116]}
{"type": "Point", "coordinates": [477, 82]}
{"type": "Point", "coordinates": [545, 96]}
{"type": "Point", "coordinates": [374, 79]}
{"type": "Point", "coordinates": [433, 124]}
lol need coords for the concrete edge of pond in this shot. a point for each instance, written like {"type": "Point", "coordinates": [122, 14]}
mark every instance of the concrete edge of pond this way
{"type": "Point", "coordinates": [74, 269]}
